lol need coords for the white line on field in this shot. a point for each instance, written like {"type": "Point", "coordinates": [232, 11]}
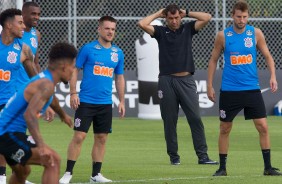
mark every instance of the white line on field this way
{"type": "Point", "coordinates": [171, 179]}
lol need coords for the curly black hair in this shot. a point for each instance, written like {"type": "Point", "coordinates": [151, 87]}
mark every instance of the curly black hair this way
{"type": "Point", "coordinates": [9, 14]}
{"type": "Point", "coordinates": [62, 50]}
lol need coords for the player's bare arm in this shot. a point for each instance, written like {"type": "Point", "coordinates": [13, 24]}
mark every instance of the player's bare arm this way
{"type": "Point", "coordinates": [37, 94]}
{"type": "Point", "coordinates": [27, 60]}
{"type": "Point", "coordinates": [262, 47]}
{"type": "Point", "coordinates": [63, 116]}
{"type": "Point", "coordinates": [74, 99]}
{"type": "Point", "coordinates": [120, 86]}
{"type": "Point", "coordinates": [144, 23]}
{"type": "Point", "coordinates": [218, 48]}
{"type": "Point", "coordinates": [202, 19]}
{"type": "Point", "coordinates": [36, 57]}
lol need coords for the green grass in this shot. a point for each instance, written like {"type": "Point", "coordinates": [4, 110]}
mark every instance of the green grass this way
{"type": "Point", "coordinates": [136, 153]}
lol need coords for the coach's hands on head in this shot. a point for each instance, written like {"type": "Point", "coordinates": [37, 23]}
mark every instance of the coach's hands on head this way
{"type": "Point", "coordinates": [182, 13]}
{"type": "Point", "coordinates": [161, 13]}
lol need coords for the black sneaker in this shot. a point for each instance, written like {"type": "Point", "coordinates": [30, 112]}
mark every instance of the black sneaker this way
{"type": "Point", "coordinates": [207, 161]}
{"type": "Point", "coordinates": [220, 172]}
{"type": "Point", "coordinates": [175, 161]}
{"type": "Point", "coordinates": [272, 172]}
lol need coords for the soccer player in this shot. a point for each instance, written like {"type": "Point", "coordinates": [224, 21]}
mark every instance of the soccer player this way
{"type": "Point", "coordinates": [14, 55]}
{"type": "Point", "coordinates": [22, 112]}
{"type": "Point", "coordinates": [240, 85]}
{"type": "Point", "coordinates": [176, 85]}
{"type": "Point", "coordinates": [101, 60]}
{"type": "Point", "coordinates": [31, 14]}
{"type": "Point", "coordinates": [31, 37]}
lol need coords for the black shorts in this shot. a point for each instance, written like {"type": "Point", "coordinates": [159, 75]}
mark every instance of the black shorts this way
{"type": "Point", "coordinates": [232, 102]}
{"type": "Point", "coordinates": [16, 147]}
{"type": "Point", "coordinates": [99, 114]}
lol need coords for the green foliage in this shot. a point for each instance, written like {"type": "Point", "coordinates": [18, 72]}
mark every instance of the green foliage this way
{"type": "Point", "coordinates": [136, 153]}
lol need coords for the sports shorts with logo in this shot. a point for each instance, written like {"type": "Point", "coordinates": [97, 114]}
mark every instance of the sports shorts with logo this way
{"type": "Point", "coordinates": [232, 102]}
{"type": "Point", "coordinates": [16, 147]}
{"type": "Point", "coordinates": [99, 114]}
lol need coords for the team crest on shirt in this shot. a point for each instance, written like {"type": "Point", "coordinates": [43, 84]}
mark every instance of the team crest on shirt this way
{"type": "Point", "coordinates": [114, 57]}
{"type": "Point", "coordinates": [114, 49]}
{"type": "Point", "coordinates": [229, 33]}
{"type": "Point", "coordinates": [17, 46]}
{"type": "Point", "coordinates": [33, 32]}
{"type": "Point", "coordinates": [18, 155]}
{"type": "Point", "coordinates": [222, 114]}
{"type": "Point", "coordinates": [249, 33]}
{"type": "Point", "coordinates": [12, 57]}
{"type": "Point", "coordinates": [33, 42]}
{"type": "Point", "coordinates": [98, 46]}
{"type": "Point", "coordinates": [248, 42]}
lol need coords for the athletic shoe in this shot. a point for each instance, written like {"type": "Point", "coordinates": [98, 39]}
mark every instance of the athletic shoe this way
{"type": "Point", "coordinates": [66, 178]}
{"type": "Point", "coordinates": [206, 160]}
{"type": "Point", "coordinates": [28, 182]}
{"type": "Point", "coordinates": [175, 161]}
{"type": "Point", "coordinates": [2, 179]}
{"type": "Point", "coordinates": [99, 178]}
{"type": "Point", "coordinates": [272, 172]}
{"type": "Point", "coordinates": [220, 172]}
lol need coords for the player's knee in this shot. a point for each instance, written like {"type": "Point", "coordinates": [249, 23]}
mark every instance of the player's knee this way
{"type": "Point", "coordinates": [78, 139]}
{"type": "Point", "coordinates": [101, 138]}
{"type": "Point", "coordinates": [225, 130]}
{"type": "Point", "coordinates": [57, 159]}
{"type": "Point", "coordinates": [263, 129]}
{"type": "Point", "coordinates": [22, 173]}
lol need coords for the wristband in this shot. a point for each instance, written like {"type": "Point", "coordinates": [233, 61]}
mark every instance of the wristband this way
{"type": "Point", "coordinates": [72, 94]}
{"type": "Point", "coordinates": [187, 12]}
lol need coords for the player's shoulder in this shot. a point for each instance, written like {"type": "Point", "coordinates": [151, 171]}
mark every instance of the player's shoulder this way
{"type": "Point", "coordinates": [87, 46]}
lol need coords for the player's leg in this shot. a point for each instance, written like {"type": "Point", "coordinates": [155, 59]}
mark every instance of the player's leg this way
{"type": "Point", "coordinates": [230, 105]}
{"type": "Point", "coordinates": [261, 126]}
{"type": "Point", "coordinates": [102, 125]}
{"type": "Point", "coordinates": [2, 162]}
{"type": "Point", "coordinates": [19, 174]}
{"type": "Point", "coordinates": [256, 110]}
{"type": "Point", "coordinates": [223, 146]}
{"type": "Point", "coordinates": [50, 160]}
{"type": "Point", "coordinates": [2, 170]}
{"type": "Point", "coordinates": [82, 122]}
{"type": "Point", "coordinates": [73, 153]}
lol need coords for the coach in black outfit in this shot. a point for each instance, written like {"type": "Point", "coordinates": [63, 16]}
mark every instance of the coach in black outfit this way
{"type": "Point", "coordinates": [176, 84]}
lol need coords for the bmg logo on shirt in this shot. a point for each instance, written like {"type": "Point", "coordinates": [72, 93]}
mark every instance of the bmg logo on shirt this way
{"type": "Point", "coordinates": [103, 71]}
{"type": "Point", "coordinates": [241, 59]}
{"type": "Point", "coordinates": [5, 75]}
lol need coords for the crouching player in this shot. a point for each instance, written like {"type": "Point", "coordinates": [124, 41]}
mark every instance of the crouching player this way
{"type": "Point", "coordinates": [22, 112]}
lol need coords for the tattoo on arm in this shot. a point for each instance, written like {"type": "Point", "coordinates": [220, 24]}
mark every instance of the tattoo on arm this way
{"type": "Point", "coordinates": [28, 61]}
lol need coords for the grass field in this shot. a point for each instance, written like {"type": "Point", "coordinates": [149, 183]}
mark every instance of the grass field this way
{"type": "Point", "coordinates": [136, 153]}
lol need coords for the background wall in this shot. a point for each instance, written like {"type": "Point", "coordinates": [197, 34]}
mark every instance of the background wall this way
{"type": "Point", "coordinates": [76, 21]}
